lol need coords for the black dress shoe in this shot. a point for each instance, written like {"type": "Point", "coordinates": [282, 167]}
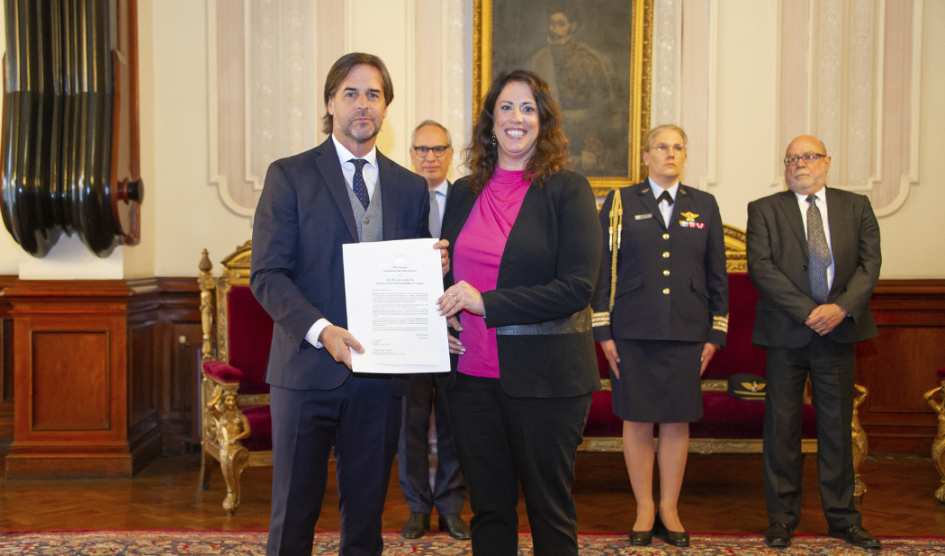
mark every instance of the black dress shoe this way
{"type": "Point", "coordinates": [779, 535]}
{"type": "Point", "coordinates": [416, 526]}
{"type": "Point", "coordinates": [455, 526]}
{"type": "Point", "coordinates": [641, 538]}
{"type": "Point", "coordinates": [855, 535]}
{"type": "Point", "coordinates": [659, 531]}
{"type": "Point", "coordinates": [675, 538]}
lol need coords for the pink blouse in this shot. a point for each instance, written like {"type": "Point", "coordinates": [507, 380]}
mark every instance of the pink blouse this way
{"type": "Point", "coordinates": [476, 260]}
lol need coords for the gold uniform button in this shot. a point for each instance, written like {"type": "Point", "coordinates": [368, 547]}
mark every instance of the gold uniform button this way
{"type": "Point", "coordinates": [666, 254]}
{"type": "Point", "coordinates": [665, 291]}
{"type": "Point", "coordinates": [665, 273]}
{"type": "Point", "coordinates": [665, 236]}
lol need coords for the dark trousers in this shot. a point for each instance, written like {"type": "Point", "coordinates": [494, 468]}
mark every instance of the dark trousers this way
{"type": "Point", "coordinates": [425, 395]}
{"type": "Point", "coordinates": [504, 442]}
{"type": "Point", "coordinates": [361, 419]}
{"type": "Point", "coordinates": [832, 372]}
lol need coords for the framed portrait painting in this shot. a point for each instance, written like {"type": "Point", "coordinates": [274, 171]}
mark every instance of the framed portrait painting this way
{"type": "Point", "coordinates": [595, 56]}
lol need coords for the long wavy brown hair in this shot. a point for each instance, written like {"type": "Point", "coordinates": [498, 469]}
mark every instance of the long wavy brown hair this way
{"type": "Point", "coordinates": [551, 152]}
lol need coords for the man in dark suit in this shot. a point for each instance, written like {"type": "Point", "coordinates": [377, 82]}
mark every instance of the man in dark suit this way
{"type": "Point", "coordinates": [431, 154]}
{"type": "Point", "coordinates": [814, 257]}
{"type": "Point", "coordinates": [343, 191]}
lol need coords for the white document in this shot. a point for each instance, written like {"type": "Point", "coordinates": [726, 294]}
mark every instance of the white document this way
{"type": "Point", "coordinates": [391, 288]}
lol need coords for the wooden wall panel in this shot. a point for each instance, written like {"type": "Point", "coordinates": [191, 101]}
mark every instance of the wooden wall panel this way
{"type": "Point", "coordinates": [900, 364]}
{"type": "Point", "coordinates": [164, 330]}
{"type": "Point", "coordinates": [6, 363]}
{"type": "Point", "coordinates": [70, 372]}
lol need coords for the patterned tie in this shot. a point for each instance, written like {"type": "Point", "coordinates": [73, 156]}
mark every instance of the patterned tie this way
{"type": "Point", "coordinates": [434, 215]}
{"type": "Point", "coordinates": [360, 190]}
{"type": "Point", "coordinates": [819, 252]}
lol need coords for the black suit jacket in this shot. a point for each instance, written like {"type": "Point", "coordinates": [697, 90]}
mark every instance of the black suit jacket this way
{"type": "Point", "coordinates": [672, 283]}
{"type": "Point", "coordinates": [777, 266]}
{"type": "Point", "coordinates": [303, 218]}
{"type": "Point", "coordinates": [547, 272]}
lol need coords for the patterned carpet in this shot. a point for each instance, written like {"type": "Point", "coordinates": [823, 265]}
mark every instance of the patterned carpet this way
{"type": "Point", "coordinates": [212, 543]}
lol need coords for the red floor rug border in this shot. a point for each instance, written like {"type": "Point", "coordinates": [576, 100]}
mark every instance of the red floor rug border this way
{"type": "Point", "coordinates": [242, 543]}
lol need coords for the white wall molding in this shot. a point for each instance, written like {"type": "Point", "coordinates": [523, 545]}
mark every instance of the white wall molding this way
{"type": "Point", "coordinates": [216, 178]}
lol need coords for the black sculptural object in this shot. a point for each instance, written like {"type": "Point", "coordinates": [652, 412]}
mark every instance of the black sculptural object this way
{"type": "Point", "coordinates": [70, 143]}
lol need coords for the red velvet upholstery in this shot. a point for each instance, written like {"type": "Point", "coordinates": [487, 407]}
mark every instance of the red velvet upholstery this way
{"type": "Point", "coordinates": [740, 356]}
{"type": "Point", "coordinates": [260, 425]}
{"type": "Point", "coordinates": [249, 330]}
{"type": "Point", "coordinates": [222, 372]}
{"type": "Point", "coordinates": [941, 373]}
{"type": "Point", "coordinates": [724, 417]}
{"type": "Point", "coordinates": [731, 418]}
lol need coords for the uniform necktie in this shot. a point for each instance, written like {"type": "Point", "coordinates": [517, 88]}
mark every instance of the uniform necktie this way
{"type": "Point", "coordinates": [668, 211]}
{"type": "Point", "coordinates": [819, 252]}
{"type": "Point", "coordinates": [434, 215]}
{"type": "Point", "coordinates": [360, 190]}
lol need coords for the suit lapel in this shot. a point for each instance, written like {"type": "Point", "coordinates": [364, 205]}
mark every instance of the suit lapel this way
{"type": "Point", "coordinates": [389, 209]}
{"type": "Point", "coordinates": [836, 216]}
{"type": "Point", "coordinates": [792, 212]}
{"type": "Point", "coordinates": [459, 203]}
{"type": "Point", "coordinates": [646, 198]}
{"type": "Point", "coordinates": [330, 169]}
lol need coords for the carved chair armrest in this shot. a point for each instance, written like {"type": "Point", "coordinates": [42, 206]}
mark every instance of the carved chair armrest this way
{"type": "Point", "coordinates": [221, 372]}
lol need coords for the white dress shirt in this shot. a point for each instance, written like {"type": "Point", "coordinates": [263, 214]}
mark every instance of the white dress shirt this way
{"type": "Point", "coordinates": [370, 181]}
{"type": "Point", "coordinates": [666, 209]}
{"type": "Point", "coordinates": [822, 206]}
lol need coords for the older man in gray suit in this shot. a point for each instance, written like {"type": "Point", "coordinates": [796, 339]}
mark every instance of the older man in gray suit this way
{"type": "Point", "coordinates": [814, 257]}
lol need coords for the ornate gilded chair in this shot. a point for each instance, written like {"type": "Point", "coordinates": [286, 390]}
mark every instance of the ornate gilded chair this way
{"type": "Point", "coordinates": [729, 425]}
{"type": "Point", "coordinates": [237, 333]}
{"type": "Point", "coordinates": [938, 445]}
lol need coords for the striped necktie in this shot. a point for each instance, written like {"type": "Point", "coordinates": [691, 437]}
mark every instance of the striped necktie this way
{"type": "Point", "coordinates": [819, 252]}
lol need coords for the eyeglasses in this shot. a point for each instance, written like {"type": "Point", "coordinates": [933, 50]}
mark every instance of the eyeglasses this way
{"type": "Point", "coordinates": [663, 147]}
{"type": "Point", "coordinates": [438, 151]}
{"type": "Point", "coordinates": [808, 158]}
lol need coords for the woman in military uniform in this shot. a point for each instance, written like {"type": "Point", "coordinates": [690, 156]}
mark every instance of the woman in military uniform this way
{"type": "Point", "coordinates": [660, 313]}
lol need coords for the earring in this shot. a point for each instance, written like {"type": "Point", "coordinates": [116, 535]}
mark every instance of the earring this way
{"type": "Point", "coordinates": [494, 141]}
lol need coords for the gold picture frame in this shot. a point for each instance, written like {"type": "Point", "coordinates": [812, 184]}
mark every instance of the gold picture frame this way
{"type": "Point", "coordinates": [640, 74]}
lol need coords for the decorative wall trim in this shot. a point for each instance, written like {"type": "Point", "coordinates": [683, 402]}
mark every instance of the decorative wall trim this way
{"type": "Point", "coordinates": [712, 139]}
{"type": "Point", "coordinates": [215, 177]}
{"type": "Point", "coordinates": [858, 90]}
{"type": "Point", "coordinates": [667, 62]}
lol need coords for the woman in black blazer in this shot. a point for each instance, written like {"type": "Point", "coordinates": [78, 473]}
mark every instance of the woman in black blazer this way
{"type": "Point", "coordinates": [525, 247]}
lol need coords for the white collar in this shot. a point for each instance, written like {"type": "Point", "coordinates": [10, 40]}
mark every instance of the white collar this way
{"type": "Point", "coordinates": [442, 188]}
{"type": "Point", "coordinates": [821, 196]}
{"type": "Point", "coordinates": [344, 155]}
{"type": "Point", "coordinates": [658, 189]}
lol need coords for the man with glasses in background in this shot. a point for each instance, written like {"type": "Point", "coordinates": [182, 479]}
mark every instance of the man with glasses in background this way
{"type": "Point", "coordinates": [814, 257]}
{"type": "Point", "coordinates": [431, 154]}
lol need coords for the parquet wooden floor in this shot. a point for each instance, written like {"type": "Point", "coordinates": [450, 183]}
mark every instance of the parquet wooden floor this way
{"type": "Point", "coordinates": [721, 494]}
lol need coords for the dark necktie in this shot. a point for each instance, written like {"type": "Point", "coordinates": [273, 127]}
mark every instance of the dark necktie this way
{"type": "Point", "coordinates": [819, 252]}
{"type": "Point", "coordinates": [434, 215]}
{"type": "Point", "coordinates": [668, 213]}
{"type": "Point", "coordinates": [360, 190]}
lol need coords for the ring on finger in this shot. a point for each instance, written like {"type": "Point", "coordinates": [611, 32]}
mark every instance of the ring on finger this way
{"type": "Point", "coordinates": [453, 295]}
